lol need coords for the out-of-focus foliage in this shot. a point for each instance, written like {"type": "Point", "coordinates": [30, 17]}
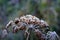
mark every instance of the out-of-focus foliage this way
{"type": "Point", "coordinates": [3, 1]}
{"type": "Point", "coordinates": [58, 10]}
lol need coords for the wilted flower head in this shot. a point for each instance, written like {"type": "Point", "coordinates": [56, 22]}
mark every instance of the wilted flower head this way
{"type": "Point", "coordinates": [29, 19]}
{"type": "Point", "coordinates": [17, 20]}
{"type": "Point", "coordinates": [43, 23]}
{"type": "Point", "coordinates": [9, 24]}
{"type": "Point", "coordinates": [26, 22]}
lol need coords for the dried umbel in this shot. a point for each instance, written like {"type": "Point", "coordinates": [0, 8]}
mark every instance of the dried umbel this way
{"type": "Point", "coordinates": [29, 19]}
{"type": "Point", "coordinates": [26, 23]}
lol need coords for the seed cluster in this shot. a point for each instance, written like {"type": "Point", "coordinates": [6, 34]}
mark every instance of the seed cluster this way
{"type": "Point", "coordinates": [29, 19]}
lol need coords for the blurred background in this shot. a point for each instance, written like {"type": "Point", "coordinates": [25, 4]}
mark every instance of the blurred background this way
{"type": "Point", "coordinates": [48, 10]}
